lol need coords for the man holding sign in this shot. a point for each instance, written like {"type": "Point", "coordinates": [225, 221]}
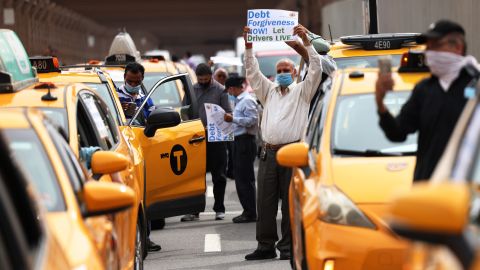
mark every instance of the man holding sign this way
{"type": "Point", "coordinates": [285, 115]}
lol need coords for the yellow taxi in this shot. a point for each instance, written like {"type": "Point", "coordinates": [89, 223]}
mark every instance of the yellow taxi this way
{"type": "Point", "coordinates": [344, 172]}
{"type": "Point", "coordinates": [167, 184]}
{"type": "Point", "coordinates": [25, 239]}
{"type": "Point", "coordinates": [444, 211]}
{"type": "Point", "coordinates": [363, 51]}
{"type": "Point", "coordinates": [63, 190]}
{"type": "Point", "coordinates": [174, 184]}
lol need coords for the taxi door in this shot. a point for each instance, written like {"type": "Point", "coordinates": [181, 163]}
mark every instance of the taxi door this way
{"type": "Point", "coordinates": [175, 157]}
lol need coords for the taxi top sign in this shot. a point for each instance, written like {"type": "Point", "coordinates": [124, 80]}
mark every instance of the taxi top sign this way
{"type": "Point", "coordinates": [15, 69]}
{"type": "Point", "coordinates": [45, 64]}
{"type": "Point", "coordinates": [119, 59]}
{"type": "Point", "coordinates": [381, 41]}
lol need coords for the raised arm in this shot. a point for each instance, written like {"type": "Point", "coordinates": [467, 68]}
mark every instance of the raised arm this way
{"type": "Point", "coordinates": [259, 83]}
{"type": "Point", "coordinates": [314, 75]}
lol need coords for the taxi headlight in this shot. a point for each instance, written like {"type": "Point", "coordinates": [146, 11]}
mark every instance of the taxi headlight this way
{"type": "Point", "coordinates": [337, 208]}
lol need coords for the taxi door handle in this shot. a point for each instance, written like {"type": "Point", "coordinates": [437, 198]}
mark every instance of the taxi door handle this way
{"type": "Point", "coordinates": [196, 140]}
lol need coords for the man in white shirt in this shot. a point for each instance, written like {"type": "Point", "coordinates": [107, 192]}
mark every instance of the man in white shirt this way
{"type": "Point", "coordinates": [285, 114]}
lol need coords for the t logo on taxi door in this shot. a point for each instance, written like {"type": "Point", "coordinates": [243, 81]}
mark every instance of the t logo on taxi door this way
{"type": "Point", "coordinates": [178, 159]}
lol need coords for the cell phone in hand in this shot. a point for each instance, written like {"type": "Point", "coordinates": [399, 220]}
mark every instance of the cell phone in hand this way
{"type": "Point", "coordinates": [130, 109]}
{"type": "Point", "coordinates": [385, 64]}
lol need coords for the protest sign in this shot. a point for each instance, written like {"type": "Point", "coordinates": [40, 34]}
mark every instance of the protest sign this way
{"type": "Point", "coordinates": [270, 25]}
{"type": "Point", "coordinates": [218, 130]}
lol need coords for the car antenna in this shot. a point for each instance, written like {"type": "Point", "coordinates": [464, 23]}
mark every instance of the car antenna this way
{"type": "Point", "coordinates": [48, 96]}
{"type": "Point", "coordinates": [330, 31]}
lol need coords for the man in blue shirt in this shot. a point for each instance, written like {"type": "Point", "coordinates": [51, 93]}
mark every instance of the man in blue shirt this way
{"type": "Point", "coordinates": [245, 119]}
{"type": "Point", "coordinates": [130, 94]}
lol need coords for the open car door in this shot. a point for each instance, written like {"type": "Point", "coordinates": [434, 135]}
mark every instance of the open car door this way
{"type": "Point", "coordinates": [174, 148]}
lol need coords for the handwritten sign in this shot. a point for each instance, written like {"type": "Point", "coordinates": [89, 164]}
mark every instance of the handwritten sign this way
{"type": "Point", "coordinates": [271, 25]}
{"type": "Point", "coordinates": [218, 130]}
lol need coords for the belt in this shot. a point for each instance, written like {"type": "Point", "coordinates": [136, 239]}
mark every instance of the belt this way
{"type": "Point", "coordinates": [276, 147]}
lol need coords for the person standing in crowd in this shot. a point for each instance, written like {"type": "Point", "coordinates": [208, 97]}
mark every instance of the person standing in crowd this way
{"type": "Point", "coordinates": [245, 119]}
{"type": "Point", "coordinates": [207, 90]}
{"type": "Point", "coordinates": [220, 75]}
{"type": "Point", "coordinates": [131, 98]}
{"type": "Point", "coordinates": [435, 103]}
{"type": "Point", "coordinates": [286, 105]}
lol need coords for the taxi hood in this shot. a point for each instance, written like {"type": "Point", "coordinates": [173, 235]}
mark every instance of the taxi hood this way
{"type": "Point", "coordinates": [372, 179]}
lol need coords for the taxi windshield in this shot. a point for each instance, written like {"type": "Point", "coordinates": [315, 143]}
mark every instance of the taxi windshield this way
{"type": "Point", "coordinates": [268, 64]}
{"type": "Point", "coordinates": [27, 149]}
{"type": "Point", "coordinates": [104, 92]}
{"type": "Point", "coordinates": [364, 61]}
{"type": "Point", "coordinates": [167, 95]}
{"type": "Point", "coordinates": [356, 129]}
{"type": "Point", "coordinates": [151, 78]}
{"type": "Point", "coordinates": [58, 117]}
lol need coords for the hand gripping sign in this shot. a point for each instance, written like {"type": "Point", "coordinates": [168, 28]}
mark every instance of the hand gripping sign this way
{"type": "Point", "coordinates": [218, 130]}
{"type": "Point", "coordinates": [270, 25]}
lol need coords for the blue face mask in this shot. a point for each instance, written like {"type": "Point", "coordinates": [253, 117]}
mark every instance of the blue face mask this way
{"type": "Point", "coordinates": [132, 89]}
{"type": "Point", "coordinates": [284, 79]}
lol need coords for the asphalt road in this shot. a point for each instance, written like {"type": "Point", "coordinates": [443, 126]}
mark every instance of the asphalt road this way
{"type": "Point", "coordinates": [210, 244]}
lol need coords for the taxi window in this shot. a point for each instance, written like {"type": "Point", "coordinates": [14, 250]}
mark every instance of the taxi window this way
{"type": "Point", "coordinates": [29, 151]}
{"type": "Point", "coordinates": [58, 116]}
{"type": "Point", "coordinates": [69, 161]}
{"type": "Point", "coordinates": [105, 93]}
{"type": "Point", "coordinates": [356, 127]}
{"type": "Point", "coordinates": [92, 117]}
{"type": "Point", "coordinates": [167, 95]}
{"type": "Point", "coordinates": [364, 61]}
{"type": "Point", "coordinates": [117, 77]}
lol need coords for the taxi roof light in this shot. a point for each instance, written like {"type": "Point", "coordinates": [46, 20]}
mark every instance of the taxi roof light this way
{"type": "Point", "coordinates": [381, 41]}
{"type": "Point", "coordinates": [45, 64]}
{"type": "Point", "coordinates": [413, 61]}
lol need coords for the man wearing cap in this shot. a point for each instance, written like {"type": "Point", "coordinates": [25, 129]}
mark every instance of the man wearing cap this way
{"type": "Point", "coordinates": [284, 119]}
{"type": "Point", "coordinates": [435, 103]}
{"type": "Point", "coordinates": [245, 119]}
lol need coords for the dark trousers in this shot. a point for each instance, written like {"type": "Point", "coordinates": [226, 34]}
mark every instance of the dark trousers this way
{"type": "Point", "coordinates": [216, 165]}
{"type": "Point", "coordinates": [244, 152]}
{"type": "Point", "coordinates": [230, 166]}
{"type": "Point", "coordinates": [273, 183]}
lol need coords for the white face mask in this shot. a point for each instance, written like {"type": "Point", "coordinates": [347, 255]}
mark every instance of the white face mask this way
{"type": "Point", "coordinates": [447, 66]}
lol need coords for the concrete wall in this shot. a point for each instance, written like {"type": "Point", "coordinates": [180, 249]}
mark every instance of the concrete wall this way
{"type": "Point", "coordinates": [46, 28]}
{"type": "Point", "coordinates": [345, 18]}
{"type": "Point", "coordinates": [405, 16]}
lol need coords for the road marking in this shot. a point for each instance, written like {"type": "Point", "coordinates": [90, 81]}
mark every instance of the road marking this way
{"type": "Point", "coordinates": [210, 191]}
{"type": "Point", "coordinates": [212, 243]}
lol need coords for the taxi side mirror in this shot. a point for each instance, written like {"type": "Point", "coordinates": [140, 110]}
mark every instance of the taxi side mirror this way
{"type": "Point", "coordinates": [293, 155]}
{"type": "Point", "coordinates": [106, 198]}
{"type": "Point", "coordinates": [108, 162]}
{"type": "Point", "coordinates": [432, 208]}
{"type": "Point", "coordinates": [435, 213]}
{"type": "Point", "coordinates": [161, 118]}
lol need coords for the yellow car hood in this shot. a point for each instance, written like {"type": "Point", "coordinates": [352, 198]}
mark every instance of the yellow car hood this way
{"type": "Point", "coordinates": [372, 179]}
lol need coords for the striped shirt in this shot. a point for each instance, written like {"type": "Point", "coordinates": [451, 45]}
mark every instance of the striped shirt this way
{"type": "Point", "coordinates": [125, 97]}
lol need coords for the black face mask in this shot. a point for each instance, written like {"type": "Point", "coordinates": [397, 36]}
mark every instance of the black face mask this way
{"type": "Point", "coordinates": [205, 85]}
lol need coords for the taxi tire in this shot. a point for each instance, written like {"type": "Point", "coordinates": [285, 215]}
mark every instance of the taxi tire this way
{"type": "Point", "coordinates": [158, 224]}
{"type": "Point", "coordinates": [139, 248]}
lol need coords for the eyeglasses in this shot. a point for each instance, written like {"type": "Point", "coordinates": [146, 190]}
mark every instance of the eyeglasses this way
{"type": "Point", "coordinates": [285, 70]}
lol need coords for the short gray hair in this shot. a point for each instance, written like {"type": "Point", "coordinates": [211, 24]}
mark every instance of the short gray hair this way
{"type": "Point", "coordinates": [286, 60]}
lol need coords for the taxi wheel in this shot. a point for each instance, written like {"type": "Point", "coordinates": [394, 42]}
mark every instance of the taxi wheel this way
{"type": "Point", "coordinates": [139, 247]}
{"type": "Point", "coordinates": [158, 224]}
